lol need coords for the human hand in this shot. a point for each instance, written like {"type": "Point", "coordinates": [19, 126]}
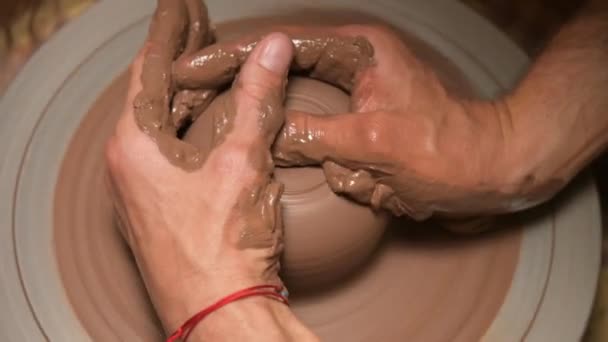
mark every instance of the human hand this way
{"type": "Point", "coordinates": [198, 236]}
{"type": "Point", "coordinates": [408, 145]}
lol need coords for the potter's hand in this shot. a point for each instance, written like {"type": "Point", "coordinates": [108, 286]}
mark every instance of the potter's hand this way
{"type": "Point", "coordinates": [199, 236]}
{"type": "Point", "coordinates": [414, 149]}
{"type": "Point", "coordinates": [408, 146]}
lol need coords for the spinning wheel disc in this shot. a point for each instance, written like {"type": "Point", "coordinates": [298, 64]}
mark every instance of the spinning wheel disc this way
{"type": "Point", "coordinates": [53, 282]}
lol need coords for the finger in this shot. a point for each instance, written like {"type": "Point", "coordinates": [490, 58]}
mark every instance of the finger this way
{"type": "Point", "coordinates": [363, 187]}
{"type": "Point", "coordinates": [126, 123]}
{"type": "Point", "coordinates": [358, 185]}
{"type": "Point", "coordinates": [151, 105]}
{"type": "Point", "coordinates": [129, 127]}
{"type": "Point", "coordinates": [189, 104]}
{"type": "Point", "coordinates": [199, 33]}
{"type": "Point", "coordinates": [163, 44]}
{"type": "Point", "coordinates": [327, 53]}
{"type": "Point", "coordinates": [398, 204]}
{"type": "Point", "coordinates": [258, 91]}
{"type": "Point", "coordinates": [309, 139]}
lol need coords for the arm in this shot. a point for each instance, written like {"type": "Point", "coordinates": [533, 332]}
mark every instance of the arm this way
{"type": "Point", "coordinates": [415, 149]}
{"type": "Point", "coordinates": [200, 235]}
{"type": "Point", "coordinates": [560, 110]}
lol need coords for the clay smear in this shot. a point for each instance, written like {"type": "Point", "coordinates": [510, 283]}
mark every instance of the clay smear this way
{"type": "Point", "coordinates": [182, 72]}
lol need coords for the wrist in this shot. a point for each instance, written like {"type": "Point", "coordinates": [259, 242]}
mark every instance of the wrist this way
{"type": "Point", "coordinates": [246, 319]}
{"type": "Point", "coordinates": [252, 319]}
{"type": "Point", "coordinates": [507, 159]}
{"type": "Point", "coordinates": [180, 283]}
{"type": "Point", "coordinates": [177, 304]}
{"type": "Point", "coordinates": [522, 175]}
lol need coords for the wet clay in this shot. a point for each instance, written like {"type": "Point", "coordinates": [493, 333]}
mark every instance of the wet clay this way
{"type": "Point", "coordinates": [330, 58]}
{"type": "Point", "coordinates": [339, 233]}
{"type": "Point", "coordinates": [179, 81]}
{"type": "Point", "coordinates": [168, 34]}
{"type": "Point", "coordinates": [418, 285]}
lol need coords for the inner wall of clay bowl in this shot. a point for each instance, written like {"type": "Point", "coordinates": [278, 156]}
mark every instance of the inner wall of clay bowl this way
{"type": "Point", "coordinates": [419, 285]}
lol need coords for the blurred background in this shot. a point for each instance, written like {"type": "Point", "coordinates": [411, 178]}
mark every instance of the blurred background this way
{"type": "Point", "coordinates": [26, 24]}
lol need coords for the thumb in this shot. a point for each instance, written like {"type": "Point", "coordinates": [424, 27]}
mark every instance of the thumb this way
{"type": "Point", "coordinates": [308, 139]}
{"type": "Point", "coordinates": [259, 88]}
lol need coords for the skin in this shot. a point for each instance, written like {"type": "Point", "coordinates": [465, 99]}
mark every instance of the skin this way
{"type": "Point", "coordinates": [410, 147]}
{"type": "Point", "coordinates": [417, 151]}
{"type": "Point", "coordinates": [192, 232]}
{"type": "Point", "coordinates": [181, 73]}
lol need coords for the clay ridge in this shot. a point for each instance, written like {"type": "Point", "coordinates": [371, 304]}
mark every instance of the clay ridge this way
{"type": "Point", "coordinates": [182, 72]}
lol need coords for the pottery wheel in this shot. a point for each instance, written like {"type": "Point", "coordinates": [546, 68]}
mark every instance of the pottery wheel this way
{"type": "Point", "coordinates": [66, 275]}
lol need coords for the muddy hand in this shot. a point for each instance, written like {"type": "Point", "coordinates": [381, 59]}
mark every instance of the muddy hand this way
{"type": "Point", "coordinates": [200, 235]}
{"type": "Point", "coordinates": [408, 145]}
{"type": "Point", "coordinates": [178, 28]}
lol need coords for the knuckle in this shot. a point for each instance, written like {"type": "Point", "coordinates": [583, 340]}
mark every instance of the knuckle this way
{"type": "Point", "coordinates": [231, 159]}
{"type": "Point", "coordinates": [112, 154]}
{"type": "Point", "coordinates": [254, 89]}
{"type": "Point", "coordinates": [336, 184]}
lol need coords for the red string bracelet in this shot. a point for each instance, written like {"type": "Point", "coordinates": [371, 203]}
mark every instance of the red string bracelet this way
{"type": "Point", "coordinates": [275, 292]}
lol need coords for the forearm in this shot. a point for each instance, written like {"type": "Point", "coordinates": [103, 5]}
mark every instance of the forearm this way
{"type": "Point", "coordinates": [559, 112]}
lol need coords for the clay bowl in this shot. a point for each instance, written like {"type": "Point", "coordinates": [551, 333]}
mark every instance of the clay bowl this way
{"type": "Point", "coordinates": [66, 275]}
{"type": "Point", "coordinates": [326, 236]}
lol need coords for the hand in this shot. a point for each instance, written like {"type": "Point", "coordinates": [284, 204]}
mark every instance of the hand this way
{"type": "Point", "coordinates": [408, 145]}
{"type": "Point", "coordinates": [198, 236]}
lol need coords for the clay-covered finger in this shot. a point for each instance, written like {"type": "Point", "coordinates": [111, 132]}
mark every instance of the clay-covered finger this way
{"type": "Point", "coordinates": [253, 113]}
{"type": "Point", "coordinates": [127, 124]}
{"type": "Point", "coordinates": [351, 139]}
{"type": "Point", "coordinates": [199, 33]}
{"type": "Point", "coordinates": [357, 184]}
{"type": "Point", "coordinates": [258, 92]}
{"type": "Point", "coordinates": [367, 188]}
{"type": "Point", "coordinates": [335, 59]}
{"type": "Point", "coordinates": [188, 104]}
{"type": "Point", "coordinates": [325, 54]}
{"type": "Point", "coordinates": [384, 196]}
{"type": "Point", "coordinates": [165, 40]}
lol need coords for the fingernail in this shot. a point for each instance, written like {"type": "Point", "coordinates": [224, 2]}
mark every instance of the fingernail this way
{"type": "Point", "coordinates": [276, 53]}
